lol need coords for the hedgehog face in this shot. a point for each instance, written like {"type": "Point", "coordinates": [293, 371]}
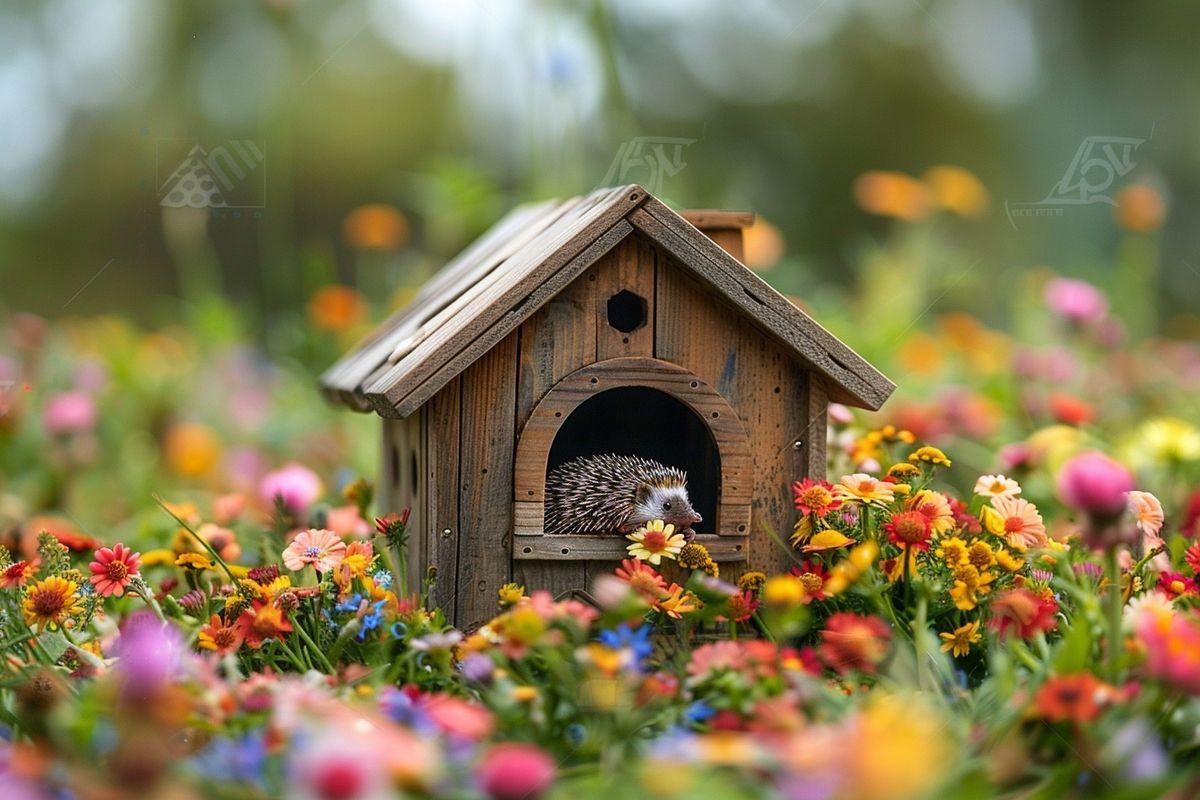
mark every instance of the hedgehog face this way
{"type": "Point", "coordinates": [670, 504]}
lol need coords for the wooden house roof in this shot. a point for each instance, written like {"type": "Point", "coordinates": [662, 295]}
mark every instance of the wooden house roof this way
{"type": "Point", "coordinates": [529, 256]}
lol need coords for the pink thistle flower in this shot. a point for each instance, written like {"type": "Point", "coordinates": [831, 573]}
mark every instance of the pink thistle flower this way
{"type": "Point", "coordinates": [1076, 301]}
{"type": "Point", "coordinates": [69, 412]}
{"type": "Point", "coordinates": [1095, 484]}
{"type": "Point", "coordinates": [514, 771]}
{"type": "Point", "coordinates": [113, 569]}
{"type": "Point", "coordinates": [321, 548]}
{"type": "Point", "coordinates": [297, 486]}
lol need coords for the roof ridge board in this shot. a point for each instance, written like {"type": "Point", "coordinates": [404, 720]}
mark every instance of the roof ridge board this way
{"type": "Point", "coordinates": [340, 375]}
{"type": "Point", "coordinates": [534, 259]}
{"type": "Point", "coordinates": [872, 389]}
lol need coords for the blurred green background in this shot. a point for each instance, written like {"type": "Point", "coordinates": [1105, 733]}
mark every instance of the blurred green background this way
{"type": "Point", "coordinates": [452, 111]}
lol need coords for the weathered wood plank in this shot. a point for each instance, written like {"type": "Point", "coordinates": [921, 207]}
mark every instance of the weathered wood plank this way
{"type": "Point", "coordinates": [401, 485]}
{"type": "Point", "coordinates": [485, 473]}
{"type": "Point", "coordinates": [612, 548]}
{"type": "Point", "coordinates": [442, 446]}
{"type": "Point", "coordinates": [814, 432]}
{"type": "Point", "coordinates": [481, 306]}
{"type": "Point", "coordinates": [627, 267]}
{"type": "Point", "coordinates": [852, 378]}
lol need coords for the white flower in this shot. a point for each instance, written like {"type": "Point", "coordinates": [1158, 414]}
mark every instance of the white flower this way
{"type": "Point", "coordinates": [996, 486]}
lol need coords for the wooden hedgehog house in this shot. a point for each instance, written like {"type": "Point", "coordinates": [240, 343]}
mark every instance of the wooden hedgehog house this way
{"type": "Point", "coordinates": [607, 323]}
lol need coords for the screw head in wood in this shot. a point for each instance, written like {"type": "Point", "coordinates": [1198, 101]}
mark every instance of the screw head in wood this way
{"type": "Point", "coordinates": [798, 444]}
{"type": "Point", "coordinates": [446, 533]}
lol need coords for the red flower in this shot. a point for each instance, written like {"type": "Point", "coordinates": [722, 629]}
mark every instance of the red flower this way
{"type": "Point", "coordinates": [514, 771]}
{"type": "Point", "coordinates": [1023, 612]}
{"type": "Point", "coordinates": [1191, 516]}
{"type": "Point", "coordinates": [1077, 698]}
{"type": "Point", "coordinates": [17, 574]}
{"type": "Point", "coordinates": [742, 606]}
{"type": "Point", "coordinates": [813, 575]}
{"type": "Point", "coordinates": [854, 642]}
{"type": "Point", "coordinates": [1174, 584]}
{"type": "Point", "coordinates": [909, 529]}
{"type": "Point", "coordinates": [815, 497]}
{"type": "Point", "coordinates": [643, 578]}
{"type": "Point", "coordinates": [113, 569]}
{"type": "Point", "coordinates": [1070, 410]}
{"type": "Point", "coordinates": [963, 518]}
{"type": "Point", "coordinates": [1192, 557]}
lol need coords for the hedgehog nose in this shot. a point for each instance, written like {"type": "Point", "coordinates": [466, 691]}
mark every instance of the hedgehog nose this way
{"type": "Point", "coordinates": [696, 517]}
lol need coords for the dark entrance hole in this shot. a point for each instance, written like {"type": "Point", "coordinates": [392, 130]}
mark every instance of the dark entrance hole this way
{"type": "Point", "coordinates": [627, 311]}
{"type": "Point", "coordinates": [639, 421]}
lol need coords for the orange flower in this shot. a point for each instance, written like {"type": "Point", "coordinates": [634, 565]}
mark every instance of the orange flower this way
{"type": "Point", "coordinates": [1140, 209]}
{"type": "Point", "coordinates": [892, 194]}
{"type": "Point", "coordinates": [191, 450]}
{"type": "Point", "coordinates": [17, 574]}
{"type": "Point", "coordinates": [957, 190]}
{"type": "Point", "coordinates": [261, 622]}
{"type": "Point", "coordinates": [1016, 520]}
{"type": "Point", "coordinates": [376, 226]}
{"type": "Point", "coordinates": [219, 637]}
{"type": "Point", "coordinates": [1078, 698]}
{"type": "Point", "coordinates": [762, 245]}
{"type": "Point", "coordinates": [854, 642]}
{"type": "Point", "coordinates": [336, 308]}
{"type": "Point", "coordinates": [50, 602]}
{"type": "Point", "coordinates": [677, 602]}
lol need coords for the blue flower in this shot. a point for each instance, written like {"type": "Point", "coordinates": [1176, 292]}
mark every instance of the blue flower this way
{"type": "Point", "coordinates": [371, 620]}
{"type": "Point", "coordinates": [625, 638]}
{"type": "Point", "coordinates": [350, 605]}
{"type": "Point", "coordinates": [382, 578]}
{"type": "Point", "coordinates": [233, 760]}
{"type": "Point", "coordinates": [698, 713]}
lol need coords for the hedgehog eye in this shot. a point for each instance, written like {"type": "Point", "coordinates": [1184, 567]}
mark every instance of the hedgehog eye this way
{"type": "Point", "coordinates": [666, 506]}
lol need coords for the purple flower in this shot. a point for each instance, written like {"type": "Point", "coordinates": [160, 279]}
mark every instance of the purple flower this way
{"type": "Point", "coordinates": [295, 484]}
{"type": "Point", "coordinates": [1075, 300]}
{"type": "Point", "coordinates": [150, 652]}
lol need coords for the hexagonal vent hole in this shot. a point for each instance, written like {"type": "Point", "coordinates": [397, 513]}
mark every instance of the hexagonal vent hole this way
{"type": "Point", "coordinates": [626, 311]}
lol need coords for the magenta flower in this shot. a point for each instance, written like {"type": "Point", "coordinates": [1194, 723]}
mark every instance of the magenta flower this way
{"type": "Point", "coordinates": [1095, 484]}
{"type": "Point", "coordinates": [295, 484]}
{"type": "Point", "coordinates": [1075, 300]}
{"type": "Point", "coordinates": [69, 412]}
{"type": "Point", "coordinates": [513, 771]}
{"type": "Point", "coordinates": [150, 652]}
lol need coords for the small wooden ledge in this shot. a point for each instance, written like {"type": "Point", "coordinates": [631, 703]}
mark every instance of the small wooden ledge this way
{"type": "Point", "coordinates": [579, 547]}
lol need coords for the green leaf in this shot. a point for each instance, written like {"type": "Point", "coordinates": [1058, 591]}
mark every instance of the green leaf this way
{"type": "Point", "coordinates": [54, 643]}
{"type": "Point", "coordinates": [1074, 653]}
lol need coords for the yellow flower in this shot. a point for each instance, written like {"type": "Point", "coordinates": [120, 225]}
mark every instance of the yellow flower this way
{"type": "Point", "coordinates": [191, 450]}
{"type": "Point", "coordinates": [903, 470]}
{"type": "Point", "coordinates": [969, 585]}
{"type": "Point", "coordinates": [158, 558]}
{"type": "Point", "coordinates": [953, 551]}
{"type": "Point", "coordinates": [980, 555]}
{"type": "Point", "coordinates": [1007, 560]}
{"type": "Point", "coordinates": [524, 694]}
{"type": "Point", "coordinates": [1163, 440]}
{"type": "Point", "coordinates": [194, 561]}
{"type": "Point", "coordinates": [677, 602]}
{"type": "Point", "coordinates": [511, 594]}
{"type": "Point", "coordinates": [936, 509]}
{"type": "Point", "coordinates": [828, 539]}
{"type": "Point", "coordinates": [901, 489]}
{"type": "Point", "coordinates": [864, 488]}
{"type": "Point", "coordinates": [50, 602]}
{"type": "Point", "coordinates": [655, 541]}
{"type": "Point", "coordinates": [959, 642]}
{"type": "Point", "coordinates": [751, 581]}
{"type": "Point", "coordinates": [694, 556]}
{"type": "Point", "coordinates": [272, 589]}
{"type": "Point", "coordinates": [783, 590]}
{"type": "Point", "coordinates": [930, 455]}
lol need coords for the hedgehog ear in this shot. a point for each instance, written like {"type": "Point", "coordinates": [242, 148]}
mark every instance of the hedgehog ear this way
{"type": "Point", "coordinates": [642, 494]}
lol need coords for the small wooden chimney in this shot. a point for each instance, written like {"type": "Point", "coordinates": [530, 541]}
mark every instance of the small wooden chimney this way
{"type": "Point", "coordinates": [723, 227]}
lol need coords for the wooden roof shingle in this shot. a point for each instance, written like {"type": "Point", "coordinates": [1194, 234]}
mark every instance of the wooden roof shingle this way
{"type": "Point", "coordinates": [533, 253]}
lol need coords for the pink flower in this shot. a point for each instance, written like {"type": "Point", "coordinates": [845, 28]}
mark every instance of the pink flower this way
{"type": "Point", "coordinates": [516, 771]}
{"type": "Point", "coordinates": [321, 548]}
{"type": "Point", "coordinates": [1095, 484]}
{"type": "Point", "coordinates": [295, 484]}
{"type": "Point", "coordinates": [69, 412]}
{"type": "Point", "coordinates": [113, 569]}
{"type": "Point", "coordinates": [1147, 511]}
{"type": "Point", "coordinates": [1172, 642]}
{"type": "Point", "coordinates": [346, 521]}
{"type": "Point", "coordinates": [339, 767]}
{"type": "Point", "coordinates": [1075, 300]}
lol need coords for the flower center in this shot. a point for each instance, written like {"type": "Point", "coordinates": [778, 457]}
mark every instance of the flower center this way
{"type": "Point", "coordinates": [866, 487]}
{"type": "Point", "coordinates": [1178, 586]}
{"type": "Point", "coordinates": [655, 541]}
{"type": "Point", "coordinates": [998, 487]}
{"type": "Point", "coordinates": [811, 582]}
{"type": "Point", "coordinates": [1013, 524]}
{"type": "Point", "coordinates": [47, 602]}
{"type": "Point", "coordinates": [223, 637]}
{"type": "Point", "coordinates": [816, 497]}
{"type": "Point", "coordinates": [117, 571]}
{"type": "Point", "coordinates": [312, 552]}
{"type": "Point", "coordinates": [910, 528]}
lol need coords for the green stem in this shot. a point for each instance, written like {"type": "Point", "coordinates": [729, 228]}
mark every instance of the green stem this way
{"type": "Point", "coordinates": [312, 646]}
{"type": "Point", "coordinates": [1115, 605]}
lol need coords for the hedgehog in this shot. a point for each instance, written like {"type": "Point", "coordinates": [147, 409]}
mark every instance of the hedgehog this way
{"type": "Point", "coordinates": [616, 494]}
